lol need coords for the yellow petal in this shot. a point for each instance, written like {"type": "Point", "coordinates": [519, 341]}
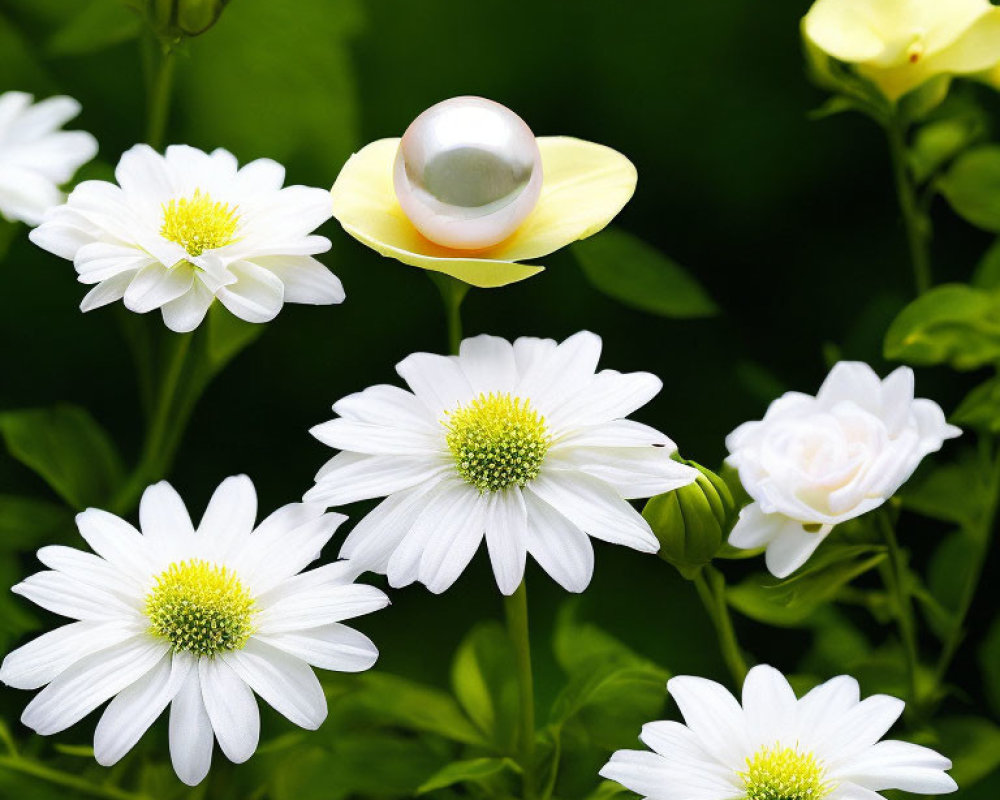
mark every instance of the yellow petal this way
{"type": "Point", "coordinates": [850, 30]}
{"type": "Point", "coordinates": [974, 50]}
{"type": "Point", "coordinates": [584, 186]}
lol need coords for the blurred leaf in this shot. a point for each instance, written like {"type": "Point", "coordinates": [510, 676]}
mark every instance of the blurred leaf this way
{"type": "Point", "coordinates": [989, 663]}
{"type": "Point", "coordinates": [636, 274]}
{"type": "Point", "coordinates": [19, 65]}
{"type": "Point", "coordinates": [988, 271]}
{"type": "Point", "coordinates": [578, 646]}
{"type": "Point", "coordinates": [68, 449]}
{"type": "Point", "coordinates": [228, 336]}
{"type": "Point", "coordinates": [937, 143]}
{"type": "Point", "coordinates": [954, 324]}
{"type": "Point", "coordinates": [26, 523]}
{"type": "Point", "coordinates": [302, 104]}
{"type": "Point", "coordinates": [15, 618]}
{"type": "Point", "coordinates": [972, 743]}
{"type": "Point", "coordinates": [93, 26]}
{"type": "Point", "coordinates": [972, 186]}
{"type": "Point", "coordinates": [379, 698]}
{"type": "Point", "coordinates": [949, 492]}
{"type": "Point", "coordinates": [473, 770]}
{"type": "Point", "coordinates": [609, 790]}
{"type": "Point", "coordinates": [950, 569]}
{"type": "Point", "coordinates": [483, 676]}
{"type": "Point", "coordinates": [980, 410]}
{"type": "Point", "coordinates": [8, 233]}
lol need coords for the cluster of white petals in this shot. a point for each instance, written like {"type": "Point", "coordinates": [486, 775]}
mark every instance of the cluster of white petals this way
{"type": "Point", "coordinates": [824, 746]}
{"type": "Point", "coordinates": [523, 443]}
{"type": "Point", "coordinates": [814, 462]}
{"type": "Point", "coordinates": [36, 156]}
{"type": "Point", "coordinates": [182, 229]}
{"type": "Point", "coordinates": [195, 619]}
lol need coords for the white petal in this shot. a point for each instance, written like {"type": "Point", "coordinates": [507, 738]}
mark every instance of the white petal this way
{"type": "Point", "coordinates": [88, 569]}
{"type": "Point", "coordinates": [633, 472]}
{"type": "Point", "coordinates": [186, 313]}
{"type": "Point", "coordinates": [560, 547]}
{"type": "Point", "coordinates": [231, 707]}
{"type": "Point", "coordinates": [488, 364]}
{"type": "Point", "coordinates": [617, 433]}
{"type": "Point", "coordinates": [596, 508]}
{"type": "Point", "coordinates": [333, 647]}
{"type": "Point", "coordinates": [315, 607]}
{"type": "Point", "coordinates": [714, 716]}
{"type": "Point", "coordinates": [507, 537]}
{"type": "Point", "coordinates": [387, 405]}
{"type": "Point", "coordinates": [89, 682]}
{"type": "Point", "coordinates": [68, 597]}
{"type": "Point", "coordinates": [114, 540]}
{"type": "Point", "coordinates": [350, 477]}
{"type": "Point", "coordinates": [257, 295]}
{"type": "Point", "coordinates": [769, 704]}
{"type": "Point", "coordinates": [754, 528]}
{"type": "Point", "coordinates": [641, 772]}
{"type": "Point", "coordinates": [284, 682]}
{"type": "Point", "coordinates": [230, 515]}
{"type": "Point", "coordinates": [563, 371]}
{"type": "Point", "coordinates": [850, 733]}
{"type": "Point", "coordinates": [362, 437]}
{"type": "Point", "coordinates": [456, 523]}
{"type": "Point", "coordinates": [851, 382]}
{"type": "Point", "coordinates": [607, 396]}
{"type": "Point", "coordinates": [792, 547]}
{"type": "Point", "coordinates": [267, 560]}
{"type": "Point", "coordinates": [41, 660]}
{"type": "Point", "coordinates": [900, 765]}
{"type": "Point", "coordinates": [155, 286]}
{"type": "Point", "coordinates": [305, 279]}
{"type": "Point", "coordinates": [191, 737]}
{"type": "Point", "coordinates": [438, 381]}
{"type": "Point", "coordinates": [164, 519]}
{"type": "Point", "coordinates": [131, 713]}
{"type": "Point", "coordinates": [109, 291]}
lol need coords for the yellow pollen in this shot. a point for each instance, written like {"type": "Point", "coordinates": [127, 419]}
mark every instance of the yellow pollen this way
{"type": "Point", "coordinates": [784, 773]}
{"type": "Point", "coordinates": [497, 440]}
{"type": "Point", "coordinates": [199, 223]}
{"type": "Point", "coordinates": [200, 608]}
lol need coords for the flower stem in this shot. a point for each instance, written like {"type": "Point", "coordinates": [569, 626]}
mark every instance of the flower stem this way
{"type": "Point", "coordinates": [27, 766]}
{"type": "Point", "coordinates": [894, 576]}
{"type": "Point", "coordinates": [711, 586]}
{"type": "Point", "coordinates": [453, 292]}
{"type": "Point", "coordinates": [516, 608]}
{"type": "Point", "coordinates": [990, 455]}
{"type": "Point", "coordinates": [165, 428]}
{"type": "Point", "coordinates": [159, 94]}
{"type": "Point", "coordinates": [918, 224]}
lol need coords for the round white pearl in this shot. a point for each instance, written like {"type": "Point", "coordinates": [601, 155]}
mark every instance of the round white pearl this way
{"type": "Point", "coordinates": [467, 173]}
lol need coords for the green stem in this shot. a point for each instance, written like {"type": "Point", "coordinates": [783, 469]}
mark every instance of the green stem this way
{"type": "Point", "coordinates": [894, 576]}
{"type": "Point", "coordinates": [59, 778]}
{"type": "Point", "coordinates": [159, 94]}
{"type": "Point", "coordinates": [918, 224]}
{"type": "Point", "coordinates": [983, 537]}
{"type": "Point", "coordinates": [516, 609]}
{"type": "Point", "coordinates": [711, 586]}
{"type": "Point", "coordinates": [453, 292]}
{"type": "Point", "coordinates": [165, 428]}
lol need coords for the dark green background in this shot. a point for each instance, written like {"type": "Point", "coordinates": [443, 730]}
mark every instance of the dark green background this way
{"type": "Point", "coordinates": [789, 223]}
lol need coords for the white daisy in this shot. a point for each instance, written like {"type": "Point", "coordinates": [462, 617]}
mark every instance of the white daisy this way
{"type": "Point", "coordinates": [195, 619]}
{"type": "Point", "coordinates": [522, 442]}
{"type": "Point", "coordinates": [36, 158]}
{"type": "Point", "coordinates": [823, 747]}
{"type": "Point", "coordinates": [184, 228]}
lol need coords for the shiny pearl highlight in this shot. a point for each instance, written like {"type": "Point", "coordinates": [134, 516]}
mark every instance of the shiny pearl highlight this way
{"type": "Point", "coordinates": [467, 173]}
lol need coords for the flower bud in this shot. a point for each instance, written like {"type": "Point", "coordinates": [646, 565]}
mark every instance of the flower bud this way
{"type": "Point", "coordinates": [175, 18]}
{"type": "Point", "coordinates": [691, 523]}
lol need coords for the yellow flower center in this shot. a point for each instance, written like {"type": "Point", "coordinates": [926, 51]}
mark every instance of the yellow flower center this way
{"type": "Point", "coordinates": [199, 223]}
{"type": "Point", "coordinates": [498, 441]}
{"type": "Point", "coordinates": [784, 773]}
{"type": "Point", "coordinates": [200, 608]}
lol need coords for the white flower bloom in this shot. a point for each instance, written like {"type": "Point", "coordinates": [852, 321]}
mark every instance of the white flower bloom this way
{"type": "Point", "coordinates": [824, 746]}
{"type": "Point", "coordinates": [814, 462]}
{"type": "Point", "coordinates": [198, 620]}
{"type": "Point", "coordinates": [525, 444]}
{"type": "Point", "coordinates": [187, 227]}
{"type": "Point", "coordinates": [36, 158]}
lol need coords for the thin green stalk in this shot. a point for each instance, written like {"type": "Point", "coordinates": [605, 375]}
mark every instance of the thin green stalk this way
{"type": "Point", "coordinates": [165, 428]}
{"type": "Point", "coordinates": [894, 576]}
{"type": "Point", "coordinates": [516, 609]}
{"type": "Point", "coordinates": [916, 221]}
{"type": "Point", "coordinates": [453, 292]}
{"type": "Point", "coordinates": [59, 778]}
{"type": "Point", "coordinates": [160, 86]}
{"type": "Point", "coordinates": [990, 456]}
{"type": "Point", "coordinates": [711, 586]}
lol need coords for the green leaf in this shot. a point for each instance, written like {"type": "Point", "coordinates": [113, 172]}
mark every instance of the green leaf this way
{"type": "Point", "coordinates": [473, 770]}
{"type": "Point", "coordinates": [68, 449]}
{"type": "Point", "coordinates": [609, 790]}
{"type": "Point", "coordinates": [951, 324]}
{"type": "Point", "coordinates": [972, 186]}
{"type": "Point", "coordinates": [937, 143]}
{"type": "Point", "coordinates": [26, 523]}
{"type": "Point", "coordinates": [988, 271]}
{"type": "Point", "coordinates": [949, 571]}
{"type": "Point", "coordinates": [484, 680]}
{"type": "Point", "coordinates": [580, 645]}
{"type": "Point", "coordinates": [953, 492]}
{"type": "Point", "coordinates": [94, 26]}
{"type": "Point", "coordinates": [632, 272]}
{"type": "Point", "coordinates": [980, 410]}
{"type": "Point", "coordinates": [989, 664]}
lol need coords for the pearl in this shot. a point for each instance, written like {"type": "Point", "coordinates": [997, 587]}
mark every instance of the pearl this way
{"type": "Point", "coordinates": [467, 173]}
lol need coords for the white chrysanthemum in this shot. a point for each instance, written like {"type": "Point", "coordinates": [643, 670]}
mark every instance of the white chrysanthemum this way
{"type": "Point", "coordinates": [824, 746]}
{"type": "Point", "coordinates": [197, 620]}
{"type": "Point", "coordinates": [814, 462]}
{"type": "Point", "coordinates": [525, 443]}
{"type": "Point", "coordinates": [36, 157]}
{"type": "Point", "coordinates": [187, 227]}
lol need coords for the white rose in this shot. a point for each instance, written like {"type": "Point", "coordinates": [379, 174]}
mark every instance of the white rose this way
{"type": "Point", "coordinates": [814, 462]}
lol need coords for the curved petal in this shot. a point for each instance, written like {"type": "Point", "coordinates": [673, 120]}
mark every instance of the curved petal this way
{"type": "Point", "coordinates": [584, 187]}
{"type": "Point", "coordinates": [284, 682]}
{"type": "Point", "coordinates": [230, 514]}
{"type": "Point", "coordinates": [560, 547]}
{"type": "Point", "coordinates": [849, 30]}
{"type": "Point", "coordinates": [191, 737]}
{"type": "Point", "coordinates": [333, 646]}
{"type": "Point", "coordinates": [231, 708]}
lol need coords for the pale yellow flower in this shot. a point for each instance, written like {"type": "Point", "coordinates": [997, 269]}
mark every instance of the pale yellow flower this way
{"type": "Point", "coordinates": [901, 44]}
{"type": "Point", "coordinates": [584, 186]}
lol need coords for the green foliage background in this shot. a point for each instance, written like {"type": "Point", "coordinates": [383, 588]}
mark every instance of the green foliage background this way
{"type": "Point", "coordinates": [790, 225]}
